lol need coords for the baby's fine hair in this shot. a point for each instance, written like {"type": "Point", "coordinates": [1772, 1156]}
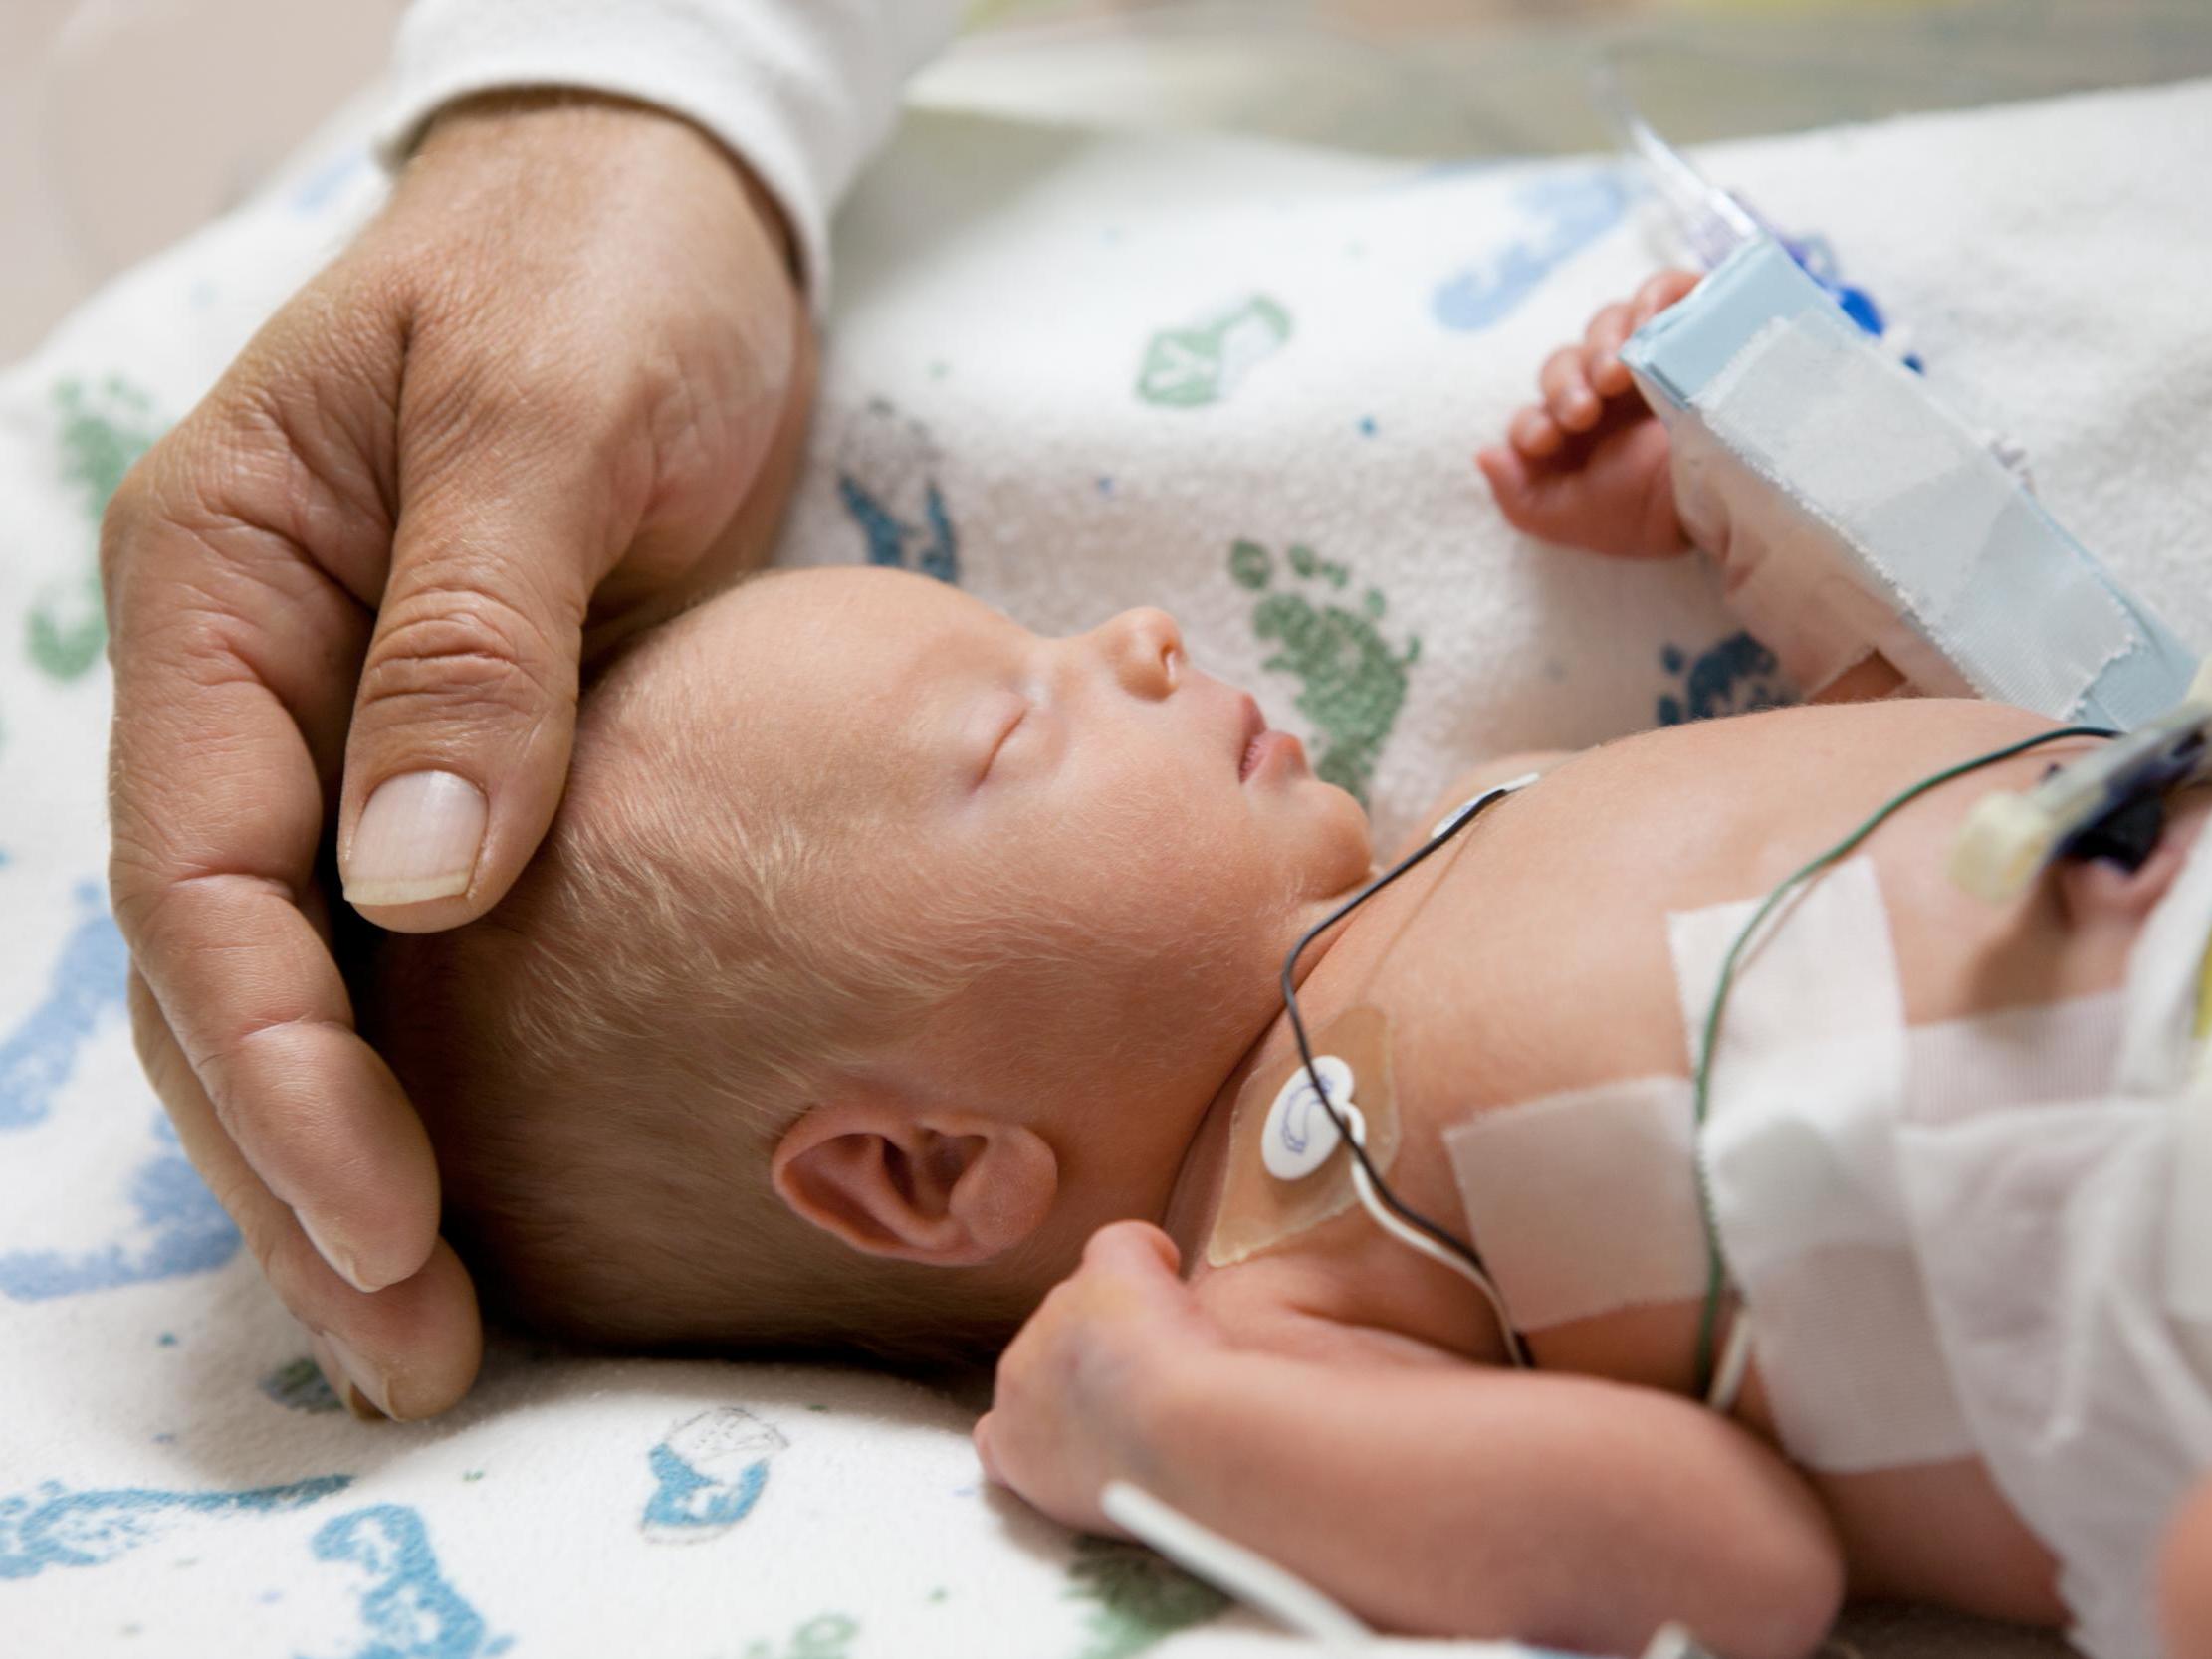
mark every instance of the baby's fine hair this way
{"type": "Point", "coordinates": [606, 1060]}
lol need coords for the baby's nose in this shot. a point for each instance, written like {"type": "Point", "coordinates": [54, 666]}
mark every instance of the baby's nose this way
{"type": "Point", "coordinates": [1147, 651]}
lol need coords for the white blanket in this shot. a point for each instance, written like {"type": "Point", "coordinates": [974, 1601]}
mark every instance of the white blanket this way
{"type": "Point", "coordinates": [1237, 381]}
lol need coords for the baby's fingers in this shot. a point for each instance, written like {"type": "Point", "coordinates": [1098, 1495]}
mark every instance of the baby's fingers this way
{"type": "Point", "coordinates": [1659, 292]}
{"type": "Point", "coordinates": [1567, 395]}
{"type": "Point", "coordinates": [1534, 433]}
{"type": "Point", "coordinates": [1602, 342]}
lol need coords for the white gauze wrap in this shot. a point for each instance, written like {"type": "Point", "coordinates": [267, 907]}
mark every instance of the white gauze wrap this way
{"type": "Point", "coordinates": [1852, 511]}
{"type": "Point", "coordinates": [2066, 1255]}
{"type": "Point", "coordinates": [1801, 1161]}
{"type": "Point", "coordinates": [1986, 1237]}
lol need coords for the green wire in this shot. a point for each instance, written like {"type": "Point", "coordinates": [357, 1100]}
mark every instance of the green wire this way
{"type": "Point", "coordinates": [1717, 1278]}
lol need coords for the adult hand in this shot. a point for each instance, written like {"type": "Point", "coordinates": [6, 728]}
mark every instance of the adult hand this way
{"type": "Point", "coordinates": [556, 388]}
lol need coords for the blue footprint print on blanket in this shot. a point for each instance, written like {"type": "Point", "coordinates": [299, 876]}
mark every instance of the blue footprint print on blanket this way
{"type": "Point", "coordinates": [708, 1473]}
{"type": "Point", "coordinates": [887, 479]}
{"type": "Point", "coordinates": [1737, 676]}
{"type": "Point", "coordinates": [88, 980]}
{"type": "Point", "coordinates": [409, 1608]}
{"type": "Point", "coordinates": [1565, 213]}
{"type": "Point", "coordinates": [179, 1228]}
{"type": "Point", "coordinates": [55, 1527]}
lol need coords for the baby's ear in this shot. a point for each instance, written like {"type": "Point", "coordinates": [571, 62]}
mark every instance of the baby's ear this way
{"type": "Point", "coordinates": [946, 1188]}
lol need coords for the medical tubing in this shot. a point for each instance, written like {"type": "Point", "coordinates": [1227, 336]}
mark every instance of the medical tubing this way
{"type": "Point", "coordinates": [1437, 1253]}
{"type": "Point", "coordinates": [1717, 1272]}
{"type": "Point", "coordinates": [1465, 1256]}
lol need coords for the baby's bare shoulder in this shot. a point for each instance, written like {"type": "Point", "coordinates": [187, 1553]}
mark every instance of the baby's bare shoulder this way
{"type": "Point", "coordinates": [1473, 782]}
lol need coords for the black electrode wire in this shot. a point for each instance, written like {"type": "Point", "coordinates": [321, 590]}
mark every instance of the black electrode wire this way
{"type": "Point", "coordinates": [1411, 1217]}
{"type": "Point", "coordinates": [1717, 1271]}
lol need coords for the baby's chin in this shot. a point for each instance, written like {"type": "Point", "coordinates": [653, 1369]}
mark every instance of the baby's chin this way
{"type": "Point", "coordinates": [1345, 841]}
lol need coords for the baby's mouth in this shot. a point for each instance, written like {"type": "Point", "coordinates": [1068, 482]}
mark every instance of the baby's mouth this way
{"type": "Point", "coordinates": [1254, 733]}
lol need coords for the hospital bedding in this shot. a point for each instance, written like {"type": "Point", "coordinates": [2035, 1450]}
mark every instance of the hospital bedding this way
{"type": "Point", "coordinates": [1071, 372]}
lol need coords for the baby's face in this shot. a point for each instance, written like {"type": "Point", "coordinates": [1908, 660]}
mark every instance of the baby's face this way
{"type": "Point", "coordinates": [1097, 797]}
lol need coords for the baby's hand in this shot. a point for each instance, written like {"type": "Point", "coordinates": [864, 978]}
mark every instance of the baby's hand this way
{"type": "Point", "coordinates": [1588, 466]}
{"type": "Point", "coordinates": [1080, 1388]}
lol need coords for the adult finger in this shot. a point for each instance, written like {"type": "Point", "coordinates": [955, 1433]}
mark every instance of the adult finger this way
{"type": "Point", "coordinates": [522, 487]}
{"type": "Point", "coordinates": [985, 1452]}
{"type": "Point", "coordinates": [226, 729]}
{"type": "Point", "coordinates": [410, 1349]}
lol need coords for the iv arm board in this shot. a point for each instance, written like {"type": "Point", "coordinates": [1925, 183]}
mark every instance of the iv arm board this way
{"type": "Point", "coordinates": [1876, 503]}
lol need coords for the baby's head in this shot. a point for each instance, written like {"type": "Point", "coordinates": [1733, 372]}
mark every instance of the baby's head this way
{"type": "Point", "coordinates": [880, 953]}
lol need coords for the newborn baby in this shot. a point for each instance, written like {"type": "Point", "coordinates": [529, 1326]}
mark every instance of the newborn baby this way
{"type": "Point", "coordinates": [859, 1009]}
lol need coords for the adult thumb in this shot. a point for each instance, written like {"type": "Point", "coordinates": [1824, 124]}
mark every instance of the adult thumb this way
{"type": "Point", "coordinates": [459, 745]}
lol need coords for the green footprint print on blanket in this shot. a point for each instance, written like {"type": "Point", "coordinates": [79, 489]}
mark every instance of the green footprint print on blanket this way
{"type": "Point", "coordinates": [1139, 1600]}
{"type": "Point", "coordinates": [1352, 681]}
{"type": "Point", "coordinates": [1185, 368]}
{"type": "Point", "coordinates": [104, 430]}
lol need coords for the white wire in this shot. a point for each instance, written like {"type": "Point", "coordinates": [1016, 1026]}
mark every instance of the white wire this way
{"type": "Point", "coordinates": [1231, 1567]}
{"type": "Point", "coordinates": [1414, 1239]}
{"type": "Point", "coordinates": [1736, 1359]}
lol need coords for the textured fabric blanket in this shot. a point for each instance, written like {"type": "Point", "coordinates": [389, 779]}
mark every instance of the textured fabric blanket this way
{"type": "Point", "coordinates": [1072, 373]}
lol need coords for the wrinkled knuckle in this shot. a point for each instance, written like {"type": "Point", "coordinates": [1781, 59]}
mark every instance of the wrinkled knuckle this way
{"type": "Point", "coordinates": [458, 651]}
{"type": "Point", "coordinates": [132, 510]}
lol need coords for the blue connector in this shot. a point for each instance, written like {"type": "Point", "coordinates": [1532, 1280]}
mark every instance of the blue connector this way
{"type": "Point", "coordinates": [1714, 223]}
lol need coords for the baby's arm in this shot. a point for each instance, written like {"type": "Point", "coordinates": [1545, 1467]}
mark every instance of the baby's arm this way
{"type": "Point", "coordinates": [1447, 1498]}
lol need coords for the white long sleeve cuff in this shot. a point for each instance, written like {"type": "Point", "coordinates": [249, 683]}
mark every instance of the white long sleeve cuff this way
{"type": "Point", "coordinates": [802, 89]}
